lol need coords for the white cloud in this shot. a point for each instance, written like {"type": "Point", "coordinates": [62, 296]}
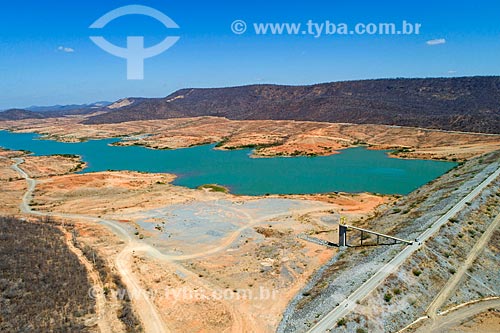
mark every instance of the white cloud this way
{"type": "Point", "coordinates": [452, 72]}
{"type": "Point", "coordinates": [439, 41]}
{"type": "Point", "coordinates": [66, 49]}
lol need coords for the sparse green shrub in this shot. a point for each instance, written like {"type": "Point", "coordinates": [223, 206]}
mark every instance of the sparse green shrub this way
{"type": "Point", "coordinates": [387, 297]}
{"type": "Point", "coordinates": [416, 272]}
{"type": "Point", "coordinates": [214, 188]}
{"type": "Point", "coordinates": [341, 322]}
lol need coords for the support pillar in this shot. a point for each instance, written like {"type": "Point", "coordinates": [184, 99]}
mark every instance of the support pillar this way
{"type": "Point", "coordinates": [342, 235]}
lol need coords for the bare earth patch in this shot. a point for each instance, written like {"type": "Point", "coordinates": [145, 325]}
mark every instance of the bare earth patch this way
{"type": "Point", "coordinates": [241, 277]}
{"type": "Point", "coordinates": [269, 137]}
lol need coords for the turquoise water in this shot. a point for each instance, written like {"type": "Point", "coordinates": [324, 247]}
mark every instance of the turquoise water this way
{"type": "Point", "coordinates": [353, 170]}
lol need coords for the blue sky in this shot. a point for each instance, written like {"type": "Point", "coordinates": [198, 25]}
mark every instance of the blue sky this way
{"type": "Point", "coordinates": [36, 72]}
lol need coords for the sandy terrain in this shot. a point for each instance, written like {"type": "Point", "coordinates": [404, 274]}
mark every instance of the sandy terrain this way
{"type": "Point", "coordinates": [12, 186]}
{"type": "Point", "coordinates": [6, 173]}
{"type": "Point", "coordinates": [54, 165]}
{"type": "Point", "coordinates": [486, 322]}
{"type": "Point", "coordinates": [5, 153]}
{"type": "Point", "coordinates": [252, 243]}
{"type": "Point", "coordinates": [269, 137]}
{"type": "Point", "coordinates": [110, 193]}
{"type": "Point", "coordinates": [219, 261]}
{"type": "Point", "coordinates": [10, 196]}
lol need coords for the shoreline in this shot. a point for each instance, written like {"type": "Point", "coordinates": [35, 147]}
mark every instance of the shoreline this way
{"type": "Point", "coordinates": [125, 141]}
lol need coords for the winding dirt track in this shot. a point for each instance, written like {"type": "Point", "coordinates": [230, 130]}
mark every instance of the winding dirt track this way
{"type": "Point", "coordinates": [452, 283]}
{"type": "Point", "coordinates": [150, 318]}
{"type": "Point", "coordinates": [452, 319]}
{"type": "Point", "coordinates": [104, 319]}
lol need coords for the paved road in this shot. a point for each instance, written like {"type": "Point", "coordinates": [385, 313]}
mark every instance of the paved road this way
{"type": "Point", "coordinates": [346, 306]}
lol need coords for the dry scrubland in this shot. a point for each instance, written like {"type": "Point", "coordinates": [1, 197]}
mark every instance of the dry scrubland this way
{"type": "Point", "coordinates": [42, 246]}
{"type": "Point", "coordinates": [43, 286]}
{"type": "Point", "coordinates": [119, 305]}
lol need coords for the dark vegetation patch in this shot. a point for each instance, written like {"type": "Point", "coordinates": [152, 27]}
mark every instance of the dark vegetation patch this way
{"type": "Point", "coordinates": [43, 285]}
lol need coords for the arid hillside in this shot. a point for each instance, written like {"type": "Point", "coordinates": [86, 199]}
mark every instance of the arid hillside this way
{"type": "Point", "coordinates": [470, 104]}
{"type": "Point", "coordinates": [462, 104]}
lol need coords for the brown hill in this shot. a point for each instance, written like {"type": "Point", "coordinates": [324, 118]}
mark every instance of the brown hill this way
{"type": "Point", "coordinates": [463, 104]}
{"type": "Point", "coordinates": [18, 114]}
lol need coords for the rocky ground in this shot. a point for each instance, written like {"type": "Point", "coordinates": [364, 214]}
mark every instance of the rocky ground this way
{"type": "Point", "coordinates": [406, 295]}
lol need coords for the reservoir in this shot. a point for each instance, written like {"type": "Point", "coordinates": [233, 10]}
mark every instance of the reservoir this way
{"type": "Point", "coordinates": [353, 170]}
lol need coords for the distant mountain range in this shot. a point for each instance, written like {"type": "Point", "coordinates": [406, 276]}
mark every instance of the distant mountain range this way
{"type": "Point", "coordinates": [56, 108]}
{"type": "Point", "coordinates": [462, 104]}
{"type": "Point", "coordinates": [40, 112]}
{"type": "Point", "coordinates": [19, 114]}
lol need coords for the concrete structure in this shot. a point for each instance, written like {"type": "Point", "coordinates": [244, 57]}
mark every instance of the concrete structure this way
{"type": "Point", "coordinates": [342, 235]}
{"type": "Point", "coordinates": [344, 228]}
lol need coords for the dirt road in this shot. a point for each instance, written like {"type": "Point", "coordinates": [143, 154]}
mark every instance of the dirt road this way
{"type": "Point", "coordinates": [150, 318]}
{"type": "Point", "coordinates": [445, 293]}
{"type": "Point", "coordinates": [454, 318]}
{"type": "Point", "coordinates": [106, 318]}
{"type": "Point", "coordinates": [143, 305]}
